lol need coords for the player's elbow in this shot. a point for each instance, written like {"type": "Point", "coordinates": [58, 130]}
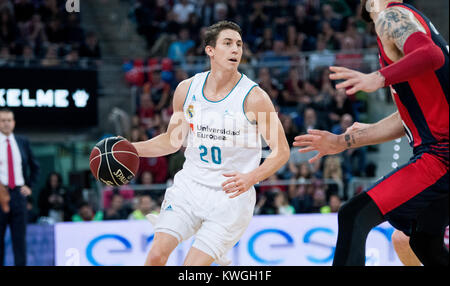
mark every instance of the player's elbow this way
{"type": "Point", "coordinates": [425, 49]}
{"type": "Point", "coordinates": [172, 142]}
{"type": "Point", "coordinates": [437, 56]}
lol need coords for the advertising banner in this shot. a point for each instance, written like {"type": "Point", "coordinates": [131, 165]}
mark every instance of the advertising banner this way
{"type": "Point", "coordinates": [296, 240]}
{"type": "Point", "coordinates": [50, 97]}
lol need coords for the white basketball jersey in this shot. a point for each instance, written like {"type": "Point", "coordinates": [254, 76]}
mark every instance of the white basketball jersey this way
{"type": "Point", "coordinates": [221, 139]}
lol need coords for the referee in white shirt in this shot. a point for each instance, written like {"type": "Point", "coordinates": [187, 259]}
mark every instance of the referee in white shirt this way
{"type": "Point", "coordinates": [18, 171]}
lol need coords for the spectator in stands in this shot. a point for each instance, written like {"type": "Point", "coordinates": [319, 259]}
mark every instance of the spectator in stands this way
{"type": "Point", "coordinates": [145, 178]}
{"type": "Point", "coordinates": [265, 43]}
{"type": "Point", "coordinates": [296, 159]}
{"type": "Point", "coordinates": [194, 27]}
{"type": "Point", "coordinates": [322, 56]}
{"type": "Point", "coordinates": [340, 7]}
{"type": "Point", "coordinates": [257, 21]}
{"type": "Point", "coordinates": [157, 166]}
{"type": "Point", "coordinates": [34, 31]}
{"type": "Point", "coordinates": [289, 127]}
{"type": "Point", "coordinates": [220, 12]}
{"type": "Point", "coordinates": [234, 11]}
{"type": "Point", "coordinates": [277, 55]}
{"type": "Point", "coordinates": [8, 29]}
{"type": "Point", "coordinates": [319, 199]}
{"type": "Point", "coordinates": [266, 204]}
{"type": "Point", "coordinates": [72, 58]}
{"type": "Point", "coordinates": [206, 13]}
{"type": "Point", "coordinates": [282, 204]}
{"type": "Point", "coordinates": [158, 17]}
{"type": "Point", "coordinates": [322, 100]}
{"type": "Point", "coordinates": [51, 57]}
{"type": "Point", "coordinates": [146, 109]}
{"type": "Point", "coordinates": [352, 58]}
{"type": "Point", "coordinates": [293, 91]}
{"type": "Point", "coordinates": [329, 16]}
{"type": "Point", "coordinates": [179, 48]}
{"type": "Point", "coordinates": [304, 22]}
{"type": "Point", "coordinates": [334, 203]}
{"type": "Point", "coordinates": [86, 213]}
{"type": "Point", "coordinates": [73, 32]}
{"type": "Point", "coordinates": [282, 13]}
{"type": "Point", "coordinates": [351, 168]}
{"type": "Point", "coordinates": [5, 56]}
{"type": "Point", "coordinates": [159, 91]}
{"type": "Point", "coordinates": [352, 32]}
{"type": "Point", "coordinates": [91, 49]}
{"type": "Point", "coordinates": [310, 121]}
{"type": "Point", "coordinates": [182, 9]}
{"type": "Point", "coordinates": [6, 4]}
{"type": "Point", "coordinates": [340, 105]}
{"type": "Point", "coordinates": [302, 199]}
{"type": "Point", "coordinates": [28, 57]}
{"type": "Point", "coordinates": [269, 84]}
{"type": "Point", "coordinates": [329, 36]}
{"type": "Point", "coordinates": [301, 171]}
{"type": "Point", "coordinates": [48, 10]}
{"type": "Point", "coordinates": [24, 11]}
{"type": "Point", "coordinates": [54, 31]}
{"type": "Point", "coordinates": [117, 210]}
{"type": "Point", "coordinates": [52, 198]}
{"type": "Point", "coordinates": [145, 206]}
{"type": "Point", "coordinates": [292, 46]}
{"type": "Point", "coordinates": [332, 171]}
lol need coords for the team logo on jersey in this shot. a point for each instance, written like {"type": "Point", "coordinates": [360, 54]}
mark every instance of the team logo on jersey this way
{"type": "Point", "coordinates": [190, 111]}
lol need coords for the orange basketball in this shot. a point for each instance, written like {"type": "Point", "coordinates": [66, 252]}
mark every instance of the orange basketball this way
{"type": "Point", "coordinates": [114, 161]}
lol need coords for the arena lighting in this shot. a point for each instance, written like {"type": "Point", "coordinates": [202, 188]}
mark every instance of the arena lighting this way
{"type": "Point", "coordinates": [58, 98]}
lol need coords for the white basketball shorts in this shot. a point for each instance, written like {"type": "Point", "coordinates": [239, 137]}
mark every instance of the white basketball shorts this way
{"type": "Point", "coordinates": [217, 221]}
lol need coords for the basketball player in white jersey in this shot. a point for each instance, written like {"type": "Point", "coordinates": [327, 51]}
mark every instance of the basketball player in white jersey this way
{"type": "Point", "coordinates": [222, 114]}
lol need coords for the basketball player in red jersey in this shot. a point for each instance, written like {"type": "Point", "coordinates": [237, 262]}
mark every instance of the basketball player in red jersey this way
{"type": "Point", "coordinates": [414, 197]}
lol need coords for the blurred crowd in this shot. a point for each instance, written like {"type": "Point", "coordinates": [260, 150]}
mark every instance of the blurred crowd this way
{"type": "Point", "coordinates": [41, 33]}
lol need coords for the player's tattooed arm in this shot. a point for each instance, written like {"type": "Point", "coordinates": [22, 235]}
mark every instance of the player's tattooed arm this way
{"type": "Point", "coordinates": [352, 139]}
{"type": "Point", "coordinates": [395, 25]}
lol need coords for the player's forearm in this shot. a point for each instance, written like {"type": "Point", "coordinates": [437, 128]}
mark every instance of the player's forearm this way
{"type": "Point", "coordinates": [270, 165]}
{"type": "Point", "coordinates": [421, 56]}
{"type": "Point", "coordinates": [159, 146]}
{"type": "Point", "coordinates": [385, 130]}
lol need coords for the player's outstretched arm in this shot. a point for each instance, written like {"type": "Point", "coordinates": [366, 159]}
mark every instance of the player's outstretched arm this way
{"type": "Point", "coordinates": [177, 130]}
{"type": "Point", "coordinates": [357, 135]}
{"type": "Point", "coordinates": [399, 30]}
{"type": "Point", "coordinates": [259, 108]}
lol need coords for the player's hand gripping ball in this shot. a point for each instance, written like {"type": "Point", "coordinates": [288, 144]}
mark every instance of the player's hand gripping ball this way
{"type": "Point", "coordinates": [114, 161]}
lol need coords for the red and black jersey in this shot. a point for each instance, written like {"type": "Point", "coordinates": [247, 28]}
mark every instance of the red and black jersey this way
{"type": "Point", "coordinates": [422, 101]}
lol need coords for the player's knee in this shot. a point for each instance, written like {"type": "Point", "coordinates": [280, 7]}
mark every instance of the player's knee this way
{"type": "Point", "coordinates": [157, 258]}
